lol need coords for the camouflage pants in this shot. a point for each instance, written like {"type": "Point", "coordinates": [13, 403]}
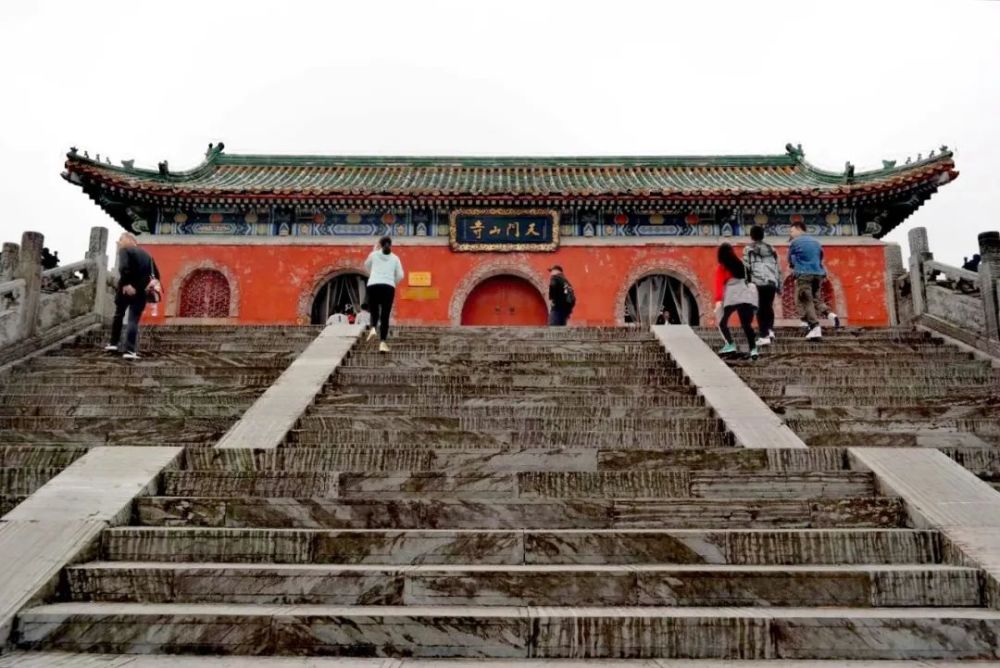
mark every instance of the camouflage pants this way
{"type": "Point", "coordinates": [808, 298]}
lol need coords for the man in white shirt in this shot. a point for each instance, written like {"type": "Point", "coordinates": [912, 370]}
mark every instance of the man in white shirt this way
{"type": "Point", "coordinates": [384, 272]}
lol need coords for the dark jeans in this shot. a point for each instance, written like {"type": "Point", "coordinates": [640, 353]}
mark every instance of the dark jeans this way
{"type": "Point", "coordinates": [745, 312]}
{"type": "Point", "coordinates": [558, 317]}
{"type": "Point", "coordinates": [380, 304]}
{"type": "Point", "coordinates": [135, 306]}
{"type": "Point", "coordinates": [765, 308]}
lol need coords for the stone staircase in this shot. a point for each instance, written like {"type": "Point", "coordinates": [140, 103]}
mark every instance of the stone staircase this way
{"type": "Point", "coordinates": [881, 387]}
{"type": "Point", "coordinates": [522, 494]}
{"type": "Point", "coordinates": [190, 386]}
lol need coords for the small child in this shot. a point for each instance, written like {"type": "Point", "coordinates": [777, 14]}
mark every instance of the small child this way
{"type": "Point", "coordinates": [364, 318]}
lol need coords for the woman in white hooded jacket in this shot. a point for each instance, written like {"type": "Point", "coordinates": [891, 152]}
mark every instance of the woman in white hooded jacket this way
{"type": "Point", "coordinates": [384, 272]}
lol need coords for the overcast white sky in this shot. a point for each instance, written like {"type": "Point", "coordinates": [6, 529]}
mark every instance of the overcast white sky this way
{"type": "Point", "coordinates": [858, 81]}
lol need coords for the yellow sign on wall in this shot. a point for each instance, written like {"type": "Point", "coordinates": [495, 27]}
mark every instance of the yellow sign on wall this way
{"type": "Point", "coordinates": [420, 279]}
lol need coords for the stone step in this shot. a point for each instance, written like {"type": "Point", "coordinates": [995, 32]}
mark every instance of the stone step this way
{"type": "Point", "coordinates": [39, 456]}
{"type": "Point", "coordinates": [128, 371]}
{"type": "Point", "coordinates": [22, 481]}
{"type": "Point", "coordinates": [829, 373]}
{"type": "Point", "coordinates": [737, 546]}
{"type": "Point", "coordinates": [493, 585]}
{"type": "Point", "coordinates": [514, 632]}
{"type": "Point", "coordinates": [458, 375]}
{"type": "Point", "coordinates": [514, 459]}
{"type": "Point", "coordinates": [984, 462]}
{"type": "Point", "coordinates": [499, 438]}
{"type": "Point", "coordinates": [914, 386]}
{"type": "Point", "coordinates": [140, 432]}
{"type": "Point", "coordinates": [912, 412]}
{"type": "Point", "coordinates": [979, 425]}
{"type": "Point", "coordinates": [164, 425]}
{"type": "Point", "coordinates": [527, 409]}
{"type": "Point", "coordinates": [177, 386]}
{"type": "Point", "coordinates": [163, 410]}
{"type": "Point", "coordinates": [643, 484]}
{"type": "Point", "coordinates": [368, 357]}
{"type": "Point", "coordinates": [450, 513]}
{"type": "Point", "coordinates": [122, 399]}
{"type": "Point", "coordinates": [491, 382]}
{"type": "Point", "coordinates": [487, 421]}
{"type": "Point", "coordinates": [926, 439]}
{"type": "Point", "coordinates": [844, 398]}
{"type": "Point", "coordinates": [341, 395]}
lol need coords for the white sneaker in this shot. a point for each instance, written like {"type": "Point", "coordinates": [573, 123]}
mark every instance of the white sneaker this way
{"type": "Point", "coordinates": [764, 341]}
{"type": "Point", "coordinates": [771, 335]}
{"type": "Point", "coordinates": [834, 319]}
{"type": "Point", "coordinates": [383, 347]}
{"type": "Point", "coordinates": [130, 356]}
{"type": "Point", "coordinates": [371, 334]}
{"type": "Point", "coordinates": [815, 333]}
{"type": "Point", "coordinates": [111, 348]}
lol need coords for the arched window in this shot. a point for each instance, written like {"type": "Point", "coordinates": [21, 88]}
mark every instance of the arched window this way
{"type": "Point", "coordinates": [205, 294]}
{"type": "Point", "coordinates": [338, 294]}
{"type": "Point", "coordinates": [660, 299]}
{"type": "Point", "coordinates": [789, 305]}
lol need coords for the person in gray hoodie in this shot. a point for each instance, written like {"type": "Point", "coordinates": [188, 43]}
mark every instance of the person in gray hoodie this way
{"type": "Point", "coordinates": [384, 272]}
{"type": "Point", "coordinates": [762, 262]}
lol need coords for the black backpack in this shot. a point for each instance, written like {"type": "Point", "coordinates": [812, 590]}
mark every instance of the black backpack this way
{"type": "Point", "coordinates": [570, 294]}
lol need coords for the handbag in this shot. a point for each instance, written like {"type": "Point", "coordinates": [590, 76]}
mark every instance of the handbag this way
{"type": "Point", "coordinates": [154, 291]}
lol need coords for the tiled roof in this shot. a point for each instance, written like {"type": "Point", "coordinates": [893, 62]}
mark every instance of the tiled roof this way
{"type": "Point", "coordinates": [227, 176]}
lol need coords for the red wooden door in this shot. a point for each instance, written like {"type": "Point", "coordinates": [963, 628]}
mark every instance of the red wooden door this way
{"type": "Point", "coordinates": [504, 301]}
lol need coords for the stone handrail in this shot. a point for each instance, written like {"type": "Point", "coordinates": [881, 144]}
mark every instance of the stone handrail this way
{"type": "Point", "coordinates": [932, 267]}
{"type": "Point", "coordinates": [11, 293]}
{"type": "Point", "coordinates": [965, 306]}
{"type": "Point", "coordinates": [62, 278]}
{"type": "Point", "coordinates": [37, 305]}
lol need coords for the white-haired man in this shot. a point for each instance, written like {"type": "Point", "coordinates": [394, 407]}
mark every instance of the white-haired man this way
{"type": "Point", "coordinates": [136, 270]}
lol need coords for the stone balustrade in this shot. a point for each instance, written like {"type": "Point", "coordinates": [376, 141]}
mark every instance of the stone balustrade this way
{"type": "Point", "coordinates": [956, 302]}
{"type": "Point", "coordinates": [39, 307]}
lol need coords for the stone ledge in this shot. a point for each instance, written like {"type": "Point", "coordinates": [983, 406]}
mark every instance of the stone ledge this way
{"type": "Point", "coordinates": [266, 423]}
{"type": "Point", "coordinates": [744, 413]}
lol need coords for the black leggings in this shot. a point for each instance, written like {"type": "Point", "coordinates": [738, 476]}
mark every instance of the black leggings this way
{"type": "Point", "coordinates": [745, 312]}
{"type": "Point", "coordinates": [380, 303]}
{"type": "Point", "coordinates": [765, 309]}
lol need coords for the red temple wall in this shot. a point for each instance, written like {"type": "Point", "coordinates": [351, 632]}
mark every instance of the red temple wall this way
{"type": "Point", "coordinates": [275, 284]}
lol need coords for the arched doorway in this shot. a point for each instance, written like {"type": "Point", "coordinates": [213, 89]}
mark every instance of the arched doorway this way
{"type": "Point", "coordinates": [205, 294]}
{"type": "Point", "coordinates": [651, 295]}
{"type": "Point", "coordinates": [505, 301]}
{"type": "Point", "coordinates": [341, 291]}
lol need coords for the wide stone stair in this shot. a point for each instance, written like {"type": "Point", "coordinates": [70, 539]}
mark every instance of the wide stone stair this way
{"type": "Point", "coordinates": [190, 386]}
{"type": "Point", "coordinates": [522, 494]}
{"type": "Point", "coordinates": [889, 387]}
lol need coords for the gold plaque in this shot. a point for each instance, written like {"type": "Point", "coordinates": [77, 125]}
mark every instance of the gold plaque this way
{"type": "Point", "coordinates": [504, 230]}
{"type": "Point", "coordinates": [419, 279]}
{"type": "Point", "coordinates": [421, 294]}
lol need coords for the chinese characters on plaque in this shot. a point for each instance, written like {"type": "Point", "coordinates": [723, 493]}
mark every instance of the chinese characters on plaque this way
{"type": "Point", "coordinates": [504, 230]}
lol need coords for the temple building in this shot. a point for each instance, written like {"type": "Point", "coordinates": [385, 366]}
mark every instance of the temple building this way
{"type": "Point", "coordinates": [282, 239]}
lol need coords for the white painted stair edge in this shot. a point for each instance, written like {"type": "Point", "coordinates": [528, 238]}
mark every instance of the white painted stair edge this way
{"type": "Point", "coordinates": [265, 424]}
{"type": "Point", "coordinates": [61, 521]}
{"type": "Point", "coordinates": [751, 421]}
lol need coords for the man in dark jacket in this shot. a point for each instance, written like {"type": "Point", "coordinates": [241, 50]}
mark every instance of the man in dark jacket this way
{"type": "Point", "coordinates": [135, 270]}
{"type": "Point", "coordinates": [561, 297]}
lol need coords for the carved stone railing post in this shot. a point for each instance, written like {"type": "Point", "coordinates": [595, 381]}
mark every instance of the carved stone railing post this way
{"type": "Point", "coordinates": [989, 275]}
{"type": "Point", "coordinates": [893, 270]}
{"type": "Point", "coordinates": [29, 268]}
{"type": "Point", "coordinates": [919, 254]}
{"type": "Point", "coordinates": [98, 252]}
{"type": "Point", "coordinates": [8, 261]}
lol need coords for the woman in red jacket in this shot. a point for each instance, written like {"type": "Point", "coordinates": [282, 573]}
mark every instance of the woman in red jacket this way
{"type": "Point", "coordinates": [734, 294]}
